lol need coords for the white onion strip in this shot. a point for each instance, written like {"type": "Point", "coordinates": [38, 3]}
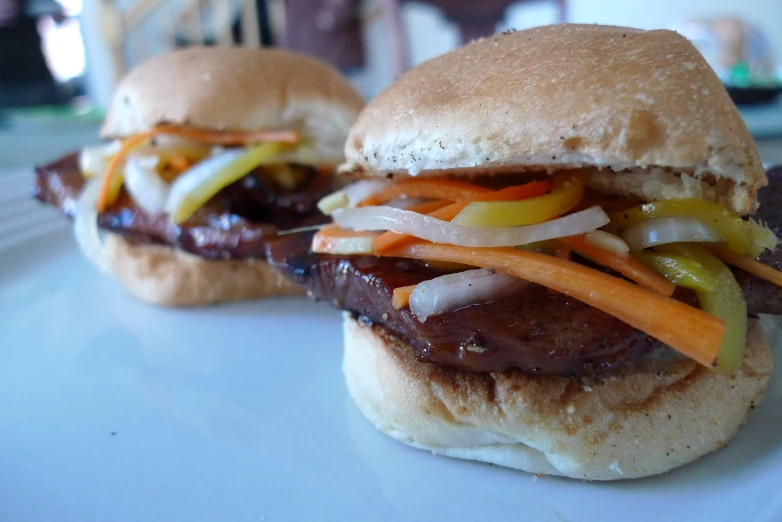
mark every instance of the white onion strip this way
{"type": "Point", "coordinates": [453, 291]}
{"type": "Point", "coordinates": [664, 230]}
{"type": "Point", "coordinates": [445, 232]}
{"type": "Point", "coordinates": [85, 227]}
{"type": "Point", "coordinates": [146, 187]}
{"type": "Point", "coordinates": [361, 190]}
{"type": "Point", "coordinates": [614, 244]}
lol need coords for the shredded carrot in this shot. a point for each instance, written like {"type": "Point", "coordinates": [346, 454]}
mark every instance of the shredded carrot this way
{"type": "Point", "coordinates": [563, 252]}
{"type": "Point", "coordinates": [628, 266]}
{"type": "Point", "coordinates": [429, 206]}
{"type": "Point", "coordinates": [332, 239]}
{"type": "Point", "coordinates": [401, 297]}
{"type": "Point", "coordinates": [107, 196]}
{"type": "Point", "coordinates": [747, 264]}
{"type": "Point", "coordinates": [446, 267]}
{"type": "Point", "coordinates": [227, 137]}
{"type": "Point", "coordinates": [389, 240]}
{"type": "Point", "coordinates": [689, 330]}
{"type": "Point", "coordinates": [180, 163]}
{"type": "Point", "coordinates": [203, 135]}
{"type": "Point", "coordinates": [448, 189]}
{"type": "Point", "coordinates": [327, 239]}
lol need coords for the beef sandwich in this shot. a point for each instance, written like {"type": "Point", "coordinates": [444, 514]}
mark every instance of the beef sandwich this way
{"type": "Point", "coordinates": [550, 263]}
{"type": "Point", "coordinates": [211, 152]}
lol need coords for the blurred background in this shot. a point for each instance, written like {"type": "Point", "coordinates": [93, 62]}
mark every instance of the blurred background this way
{"type": "Point", "coordinates": [60, 59]}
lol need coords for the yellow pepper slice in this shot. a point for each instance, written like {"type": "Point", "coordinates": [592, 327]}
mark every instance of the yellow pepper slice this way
{"type": "Point", "coordinates": [193, 189]}
{"type": "Point", "coordinates": [725, 301]}
{"type": "Point", "coordinates": [116, 187]}
{"type": "Point", "coordinates": [565, 194]}
{"type": "Point", "coordinates": [679, 270]}
{"type": "Point", "coordinates": [736, 231]}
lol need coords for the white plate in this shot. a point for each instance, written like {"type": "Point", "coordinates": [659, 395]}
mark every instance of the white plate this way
{"type": "Point", "coordinates": [115, 411]}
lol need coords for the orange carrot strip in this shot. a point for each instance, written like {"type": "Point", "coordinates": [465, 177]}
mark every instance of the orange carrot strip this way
{"type": "Point", "coordinates": [207, 136]}
{"type": "Point", "coordinates": [562, 253]}
{"type": "Point", "coordinates": [533, 189]}
{"type": "Point", "coordinates": [327, 239]}
{"type": "Point", "coordinates": [180, 163]}
{"type": "Point", "coordinates": [689, 330]}
{"type": "Point", "coordinates": [748, 265]}
{"type": "Point", "coordinates": [106, 195]}
{"type": "Point", "coordinates": [429, 206]}
{"type": "Point", "coordinates": [628, 266]}
{"type": "Point", "coordinates": [449, 189]}
{"type": "Point", "coordinates": [227, 137]}
{"type": "Point", "coordinates": [401, 297]}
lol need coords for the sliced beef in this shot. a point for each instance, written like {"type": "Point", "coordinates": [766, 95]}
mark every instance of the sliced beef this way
{"type": "Point", "coordinates": [60, 183]}
{"type": "Point", "coordinates": [531, 329]}
{"type": "Point", "coordinates": [763, 297]}
{"type": "Point", "coordinates": [235, 224]}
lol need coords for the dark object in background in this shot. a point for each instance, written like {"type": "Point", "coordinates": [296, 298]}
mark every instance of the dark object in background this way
{"type": "Point", "coordinates": [25, 78]}
{"type": "Point", "coordinates": [327, 29]}
{"type": "Point", "coordinates": [475, 19]}
{"type": "Point", "coordinates": [753, 95]}
{"type": "Point", "coordinates": [237, 38]}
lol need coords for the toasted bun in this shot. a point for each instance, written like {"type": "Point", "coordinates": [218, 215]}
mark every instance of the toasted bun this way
{"type": "Point", "coordinates": [238, 89]}
{"type": "Point", "coordinates": [165, 276]}
{"type": "Point", "coordinates": [639, 423]}
{"type": "Point", "coordinates": [560, 96]}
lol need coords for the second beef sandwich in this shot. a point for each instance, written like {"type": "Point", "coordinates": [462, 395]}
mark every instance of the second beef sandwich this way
{"type": "Point", "coordinates": [212, 151]}
{"type": "Point", "coordinates": [547, 266]}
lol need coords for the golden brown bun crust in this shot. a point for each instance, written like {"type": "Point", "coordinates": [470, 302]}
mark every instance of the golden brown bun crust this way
{"type": "Point", "coordinates": [237, 89]}
{"type": "Point", "coordinates": [638, 424]}
{"type": "Point", "coordinates": [165, 276]}
{"type": "Point", "coordinates": [564, 96]}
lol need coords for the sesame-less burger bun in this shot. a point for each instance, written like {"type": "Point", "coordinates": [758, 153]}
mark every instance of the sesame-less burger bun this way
{"type": "Point", "coordinates": [643, 106]}
{"type": "Point", "coordinates": [165, 276]}
{"type": "Point", "coordinates": [232, 89]}
{"type": "Point", "coordinates": [642, 422]}
{"type": "Point", "coordinates": [237, 89]}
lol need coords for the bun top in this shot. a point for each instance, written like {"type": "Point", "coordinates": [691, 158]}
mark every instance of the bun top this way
{"type": "Point", "coordinates": [237, 89]}
{"type": "Point", "coordinates": [567, 96]}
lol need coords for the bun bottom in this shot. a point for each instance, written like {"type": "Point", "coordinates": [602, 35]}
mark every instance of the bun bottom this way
{"type": "Point", "coordinates": [166, 276]}
{"type": "Point", "coordinates": [640, 422]}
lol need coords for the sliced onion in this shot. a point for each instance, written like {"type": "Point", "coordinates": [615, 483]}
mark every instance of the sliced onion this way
{"type": "Point", "coordinates": [453, 291]}
{"type": "Point", "coordinates": [406, 203]}
{"type": "Point", "coordinates": [94, 159]}
{"type": "Point", "coordinates": [762, 239]}
{"type": "Point", "coordinates": [664, 230]}
{"type": "Point", "coordinates": [85, 227]}
{"type": "Point", "coordinates": [332, 202]}
{"type": "Point", "coordinates": [351, 195]}
{"type": "Point", "coordinates": [361, 190]}
{"type": "Point", "coordinates": [146, 187]}
{"type": "Point", "coordinates": [351, 246]}
{"type": "Point", "coordinates": [606, 241]}
{"type": "Point", "coordinates": [439, 231]}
